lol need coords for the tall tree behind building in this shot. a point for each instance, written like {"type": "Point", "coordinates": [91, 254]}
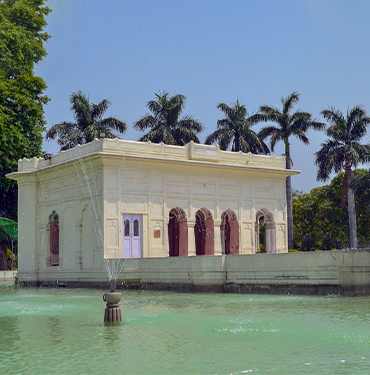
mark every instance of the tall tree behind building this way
{"type": "Point", "coordinates": [21, 92]}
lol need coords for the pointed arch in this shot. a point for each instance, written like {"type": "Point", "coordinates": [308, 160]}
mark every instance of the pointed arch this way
{"type": "Point", "coordinates": [177, 233]}
{"type": "Point", "coordinates": [204, 232]}
{"type": "Point", "coordinates": [229, 233]}
{"type": "Point", "coordinates": [270, 230]}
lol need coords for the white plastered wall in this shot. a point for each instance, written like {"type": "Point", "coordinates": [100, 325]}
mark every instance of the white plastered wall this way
{"type": "Point", "coordinates": [75, 194]}
{"type": "Point", "coordinates": [91, 186]}
{"type": "Point", "coordinates": [152, 188]}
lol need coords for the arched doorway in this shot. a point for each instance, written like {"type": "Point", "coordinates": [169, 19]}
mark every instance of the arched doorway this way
{"type": "Point", "coordinates": [265, 218]}
{"type": "Point", "coordinates": [178, 233]}
{"type": "Point", "coordinates": [229, 233]}
{"type": "Point", "coordinates": [204, 232]}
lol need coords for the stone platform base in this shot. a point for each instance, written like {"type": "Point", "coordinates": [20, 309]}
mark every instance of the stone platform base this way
{"type": "Point", "coordinates": [7, 276]}
{"type": "Point", "coordinates": [342, 272]}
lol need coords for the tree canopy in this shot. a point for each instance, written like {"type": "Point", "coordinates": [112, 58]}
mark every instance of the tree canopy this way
{"type": "Point", "coordinates": [343, 150]}
{"type": "Point", "coordinates": [235, 130]}
{"type": "Point", "coordinates": [343, 146]}
{"type": "Point", "coordinates": [88, 123]}
{"type": "Point", "coordinates": [164, 123]}
{"type": "Point", "coordinates": [289, 124]}
{"type": "Point", "coordinates": [320, 223]}
{"type": "Point", "coordinates": [21, 92]}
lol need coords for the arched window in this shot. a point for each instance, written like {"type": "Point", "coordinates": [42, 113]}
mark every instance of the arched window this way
{"type": "Point", "coordinates": [229, 233]}
{"type": "Point", "coordinates": [127, 227]}
{"type": "Point", "coordinates": [54, 238]}
{"type": "Point", "coordinates": [136, 228]}
{"type": "Point", "coordinates": [204, 232]}
{"type": "Point", "coordinates": [178, 233]}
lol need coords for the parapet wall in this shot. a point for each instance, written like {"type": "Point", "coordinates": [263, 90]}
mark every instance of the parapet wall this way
{"type": "Point", "coordinates": [344, 272]}
{"type": "Point", "coordinates": [191, 152]}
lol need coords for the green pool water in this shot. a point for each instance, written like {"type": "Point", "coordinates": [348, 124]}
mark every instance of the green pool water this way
{"type": "Point", "coordinates": [61, 331]}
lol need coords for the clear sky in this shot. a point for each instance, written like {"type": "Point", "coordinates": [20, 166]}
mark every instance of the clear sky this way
{"type": "Point", "coordinates": [211, 51]}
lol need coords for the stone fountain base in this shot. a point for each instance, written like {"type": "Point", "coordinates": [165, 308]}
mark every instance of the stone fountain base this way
{"type": "Point", "coordinates": [112, 311]}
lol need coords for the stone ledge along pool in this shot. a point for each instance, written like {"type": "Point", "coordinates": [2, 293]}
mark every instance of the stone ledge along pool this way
{"type": "Point", "coordinates": [344, 272]}
{"type": "Point", "coordinates": [61, 331]}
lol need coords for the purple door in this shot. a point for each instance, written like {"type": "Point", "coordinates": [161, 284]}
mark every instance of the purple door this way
{"type": "Point", "coordinates": [132, 230]}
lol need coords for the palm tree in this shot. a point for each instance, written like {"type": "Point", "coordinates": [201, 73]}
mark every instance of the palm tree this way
{"type": "Point", "coordinates": [88, 123]}
{"type": "Point", "coordinates": [344, 151]}
{"type": "Point", "coordinates": [289, 124]}
{"type": "Point", "coordinates": [235, 129]}
{"type": "Point", "coordinates": [164, 123]}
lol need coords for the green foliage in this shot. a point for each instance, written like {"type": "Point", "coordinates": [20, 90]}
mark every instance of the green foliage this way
{"type": "Point", "coordinates": [235, 129]}
{"type": "Point", "coordinates": [9, 256]}
{"type": "Point", "coordinates": [361, 187]}
{"type": "Point", "coordinates": [88, 123]}
{"type": "Point", "coordinates": [21, 100]}
{"type": "Point", "coordinates": [319, 222]}
{"type": "Point", "coordinates": [164, 123]}
{"type": "Point", "coordinates": [343, 150]}
{"type": "Point", "coordinates": [288, 124]}
{"type": "Point", "coordinates": [262, 235]}
{"type": "Point", "coordinates": [343, 146]}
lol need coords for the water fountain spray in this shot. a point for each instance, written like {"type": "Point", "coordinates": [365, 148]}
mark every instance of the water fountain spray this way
{"type": "Point", "coordinates": [112, 298]}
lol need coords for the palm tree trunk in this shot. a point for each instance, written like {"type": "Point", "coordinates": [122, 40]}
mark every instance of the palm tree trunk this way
{"type": "Point", "coordinates": [289, 211]}
{"type": "Point", "coordinates": [288, 188]}
{"type": "Point", "coordinates": [351, 210]}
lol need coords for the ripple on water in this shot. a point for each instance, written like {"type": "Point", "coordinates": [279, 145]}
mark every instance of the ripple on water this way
{"type": "Point", "coordinates": [174, 333]}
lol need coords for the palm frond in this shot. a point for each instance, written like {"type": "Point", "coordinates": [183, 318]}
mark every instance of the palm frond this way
{"type": "Point", "coordinates": [250, 142]}
{"type": "Point", "coordinates": [58, 129]}
{"type": "Point", "coordinates": [317, 125]}
{"type": "Point", "coordinates": [257, 118]}
{"type": "Point", "coordinates": [80, 105]}
{"type": "Point", "coordinates": [155, 107]}
{"type": "Point", "coordinates": [165, 125]}
{"type": "Point", "coordinates": [270, 113]}
{"type": "Point", "coordinates": [344, 147]}
{"type": "Point", "coordinates": [268, 131]}
{"type": "Point", "coordinates": [276, 137]}
{"type": "Point", "coordinates": [213, 137]}
{"type": "Point", "coordinates": [358, 122]}
{"type": "Point", "coordinates": [158, 135]}
{"type": "Point", "coordinates": [302, 137]}
{"type": "Point", "coordinates": [224, 123]}
{"type": "Point", "coordinates": [333, 116]}
{"type": "Point", "coordinates": [330, 158]}
{"type": "Point", "coordinates": [183, 136]}
{"type": "Point", "coordinates": [88, 123]}
{"type": "Point", "coordinates": [98, 110]}
{"type": "Point", "coordinates": [190, 123]}
{"type": "Point", "coordinates": [289, 101]}
{"type": "Point", "coordinates": [225, 140]}
{"type": "Point", "coordinates": [111, 123]}
{"type": "Point", "coordinates": [146, 122]}
{"type": "Point", "coordinates": [228, 111]}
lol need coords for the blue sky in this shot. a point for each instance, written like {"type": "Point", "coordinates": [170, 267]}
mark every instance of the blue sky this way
{"type": "Point", "coordinates": [211, 52]}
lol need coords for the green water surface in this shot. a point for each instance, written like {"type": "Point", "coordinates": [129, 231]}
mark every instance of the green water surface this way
{"type": "Point", "coordinates": [61, 331]}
